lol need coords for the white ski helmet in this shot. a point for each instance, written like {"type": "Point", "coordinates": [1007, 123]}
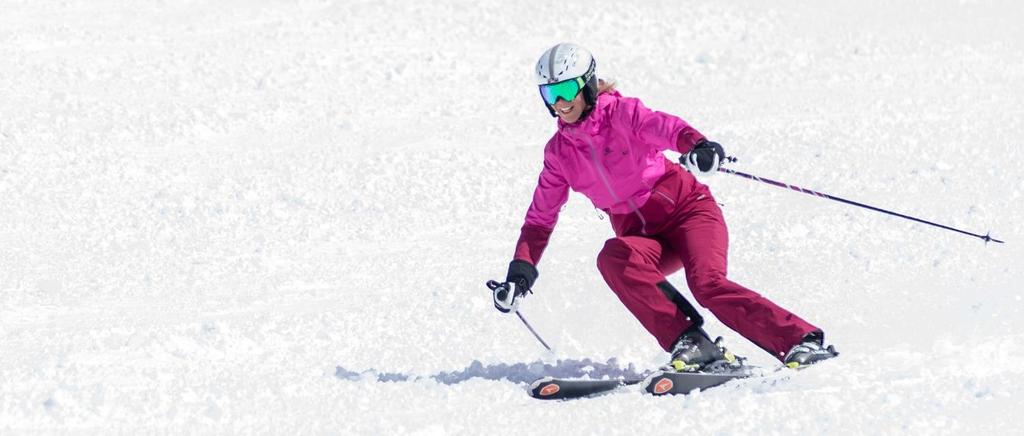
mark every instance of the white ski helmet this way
{"type": "Point", "coordinates": [565, 62]}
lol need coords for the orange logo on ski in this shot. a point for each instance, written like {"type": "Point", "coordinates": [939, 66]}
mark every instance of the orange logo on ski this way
{"type": "Point", "coordinates": [550, 389]}
{"type": "Point", "coordinates": [662, 386]}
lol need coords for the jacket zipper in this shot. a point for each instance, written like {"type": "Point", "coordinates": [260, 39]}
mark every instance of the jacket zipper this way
{"type": "Point", "coordinates": [604, 179]}
{"type": "Point", "coordinates": [670, 200]}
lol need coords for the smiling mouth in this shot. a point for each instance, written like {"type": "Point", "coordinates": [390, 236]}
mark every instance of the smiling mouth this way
{"type": "Point", "coordinates": [565, 110]}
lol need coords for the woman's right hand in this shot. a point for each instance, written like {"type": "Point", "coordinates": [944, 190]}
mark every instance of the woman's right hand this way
{"type": "Point", "coordinates": [518, 282]}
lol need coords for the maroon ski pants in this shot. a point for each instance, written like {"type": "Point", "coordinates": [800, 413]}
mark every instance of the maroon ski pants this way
{"type": "Point", "coordinates": [681, 226]}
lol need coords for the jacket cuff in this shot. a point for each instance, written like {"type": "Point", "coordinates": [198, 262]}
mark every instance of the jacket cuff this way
{"type": "Point", "coordinates": [688, 139]}
{"type": "Point", "coordinates": [533, 239]}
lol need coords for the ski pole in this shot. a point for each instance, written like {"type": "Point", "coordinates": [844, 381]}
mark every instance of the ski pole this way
{"type": "Point", "coordinates": [545, 344]}
{"type": "Point", "coordinates": [987, 238]}
{"type": "Point", "coordinates": [496, 286]}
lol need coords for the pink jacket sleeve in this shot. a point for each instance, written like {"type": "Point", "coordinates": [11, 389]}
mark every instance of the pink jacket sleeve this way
{"type": "Point", "coordinates": [660, 130]}
{"type": "Point", "coordinates": [548, 198]}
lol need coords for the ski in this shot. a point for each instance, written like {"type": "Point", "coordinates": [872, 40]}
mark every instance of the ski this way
{"type": "Point", "coordinates": [550, 388]}
{"type": "Point", "coordinates": [675, 383]}
{"type": "Point", "coordinates": [656, 383]}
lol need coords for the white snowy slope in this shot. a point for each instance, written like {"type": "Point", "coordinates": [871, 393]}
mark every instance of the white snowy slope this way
{"type": "Point", "coordinates": [230, 217]}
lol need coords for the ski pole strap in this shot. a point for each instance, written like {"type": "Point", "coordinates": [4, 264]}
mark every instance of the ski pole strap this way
{"type": "Point", "coordinates": [987, 237]}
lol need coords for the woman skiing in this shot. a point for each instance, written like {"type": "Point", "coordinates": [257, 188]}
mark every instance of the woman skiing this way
{"type": "Point", "coordinates": [609, 148]}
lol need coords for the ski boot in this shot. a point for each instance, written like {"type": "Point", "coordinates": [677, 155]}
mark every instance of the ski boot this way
{"type": "Point", "coordinates": [694, 352]}
{"type": "Point", "coordinates": [809, 351]}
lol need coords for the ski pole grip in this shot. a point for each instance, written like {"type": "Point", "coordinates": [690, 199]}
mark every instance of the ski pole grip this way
{"type": "Point", "coordinates": [504, 298]}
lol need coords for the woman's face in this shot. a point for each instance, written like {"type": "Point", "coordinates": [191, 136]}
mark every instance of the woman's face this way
{"type": "Point", "coordinates": [570, 111]}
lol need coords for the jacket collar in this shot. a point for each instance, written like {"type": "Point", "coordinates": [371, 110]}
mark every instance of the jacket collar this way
{"type": "Point", "coordinates": [590, 125]}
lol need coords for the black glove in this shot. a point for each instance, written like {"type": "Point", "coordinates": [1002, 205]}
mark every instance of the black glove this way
{"type": "Point", "coordinates": [518, 281]}
{"type": "Point", "coordinates": [522, 274]}
{"type": "Point", "coordinates": [705, 158]}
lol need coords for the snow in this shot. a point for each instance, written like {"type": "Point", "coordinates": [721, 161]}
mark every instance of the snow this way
{"type": "Point", "coordinates": [235, 216]}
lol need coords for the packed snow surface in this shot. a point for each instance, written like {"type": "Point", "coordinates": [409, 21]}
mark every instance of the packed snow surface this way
{"type": "Point", "coordinates": [278, 216]}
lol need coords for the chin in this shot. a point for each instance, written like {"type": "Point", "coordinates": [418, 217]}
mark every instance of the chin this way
{"type": "Point", "coordinates": [569, 118]}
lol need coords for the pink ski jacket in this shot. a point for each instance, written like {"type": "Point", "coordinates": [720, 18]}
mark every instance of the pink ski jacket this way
{"type": "Point", "coordinates": [613, 156]}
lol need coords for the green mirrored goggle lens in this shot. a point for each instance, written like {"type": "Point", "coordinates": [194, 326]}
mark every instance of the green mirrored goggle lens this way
{"type": "Point", "coordinates": [566, 90]}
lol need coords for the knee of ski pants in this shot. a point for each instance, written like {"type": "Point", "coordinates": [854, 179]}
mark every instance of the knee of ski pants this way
{"type": "Point", "coordinates": [611, 254]}
{"type": "Point", "coordinates": [615, 254]}
{"type": "Point", "coordinates": [706, 285]}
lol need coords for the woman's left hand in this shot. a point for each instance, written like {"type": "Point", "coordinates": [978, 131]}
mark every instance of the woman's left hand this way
{"type": "Point", "coordinates": [705, 158]}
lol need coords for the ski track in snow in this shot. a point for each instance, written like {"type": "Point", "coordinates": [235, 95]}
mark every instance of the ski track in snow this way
{"type": "Point", "coordinates": [216, 216]}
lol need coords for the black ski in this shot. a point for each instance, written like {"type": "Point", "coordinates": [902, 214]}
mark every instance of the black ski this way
{"type": "Point", "coordinates": [656, 383]}
{"type": "Point", "coordinates": [675, 383]}
{"type": "Point", "coordinates": [550, 388]}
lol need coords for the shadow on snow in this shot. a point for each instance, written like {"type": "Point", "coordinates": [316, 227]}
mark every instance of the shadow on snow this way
{"type": "Point", "coordinates": [516, 373]}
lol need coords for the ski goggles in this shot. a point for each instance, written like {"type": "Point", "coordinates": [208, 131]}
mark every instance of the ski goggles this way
{"type": "Point", "coordinates": [566, 90]}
